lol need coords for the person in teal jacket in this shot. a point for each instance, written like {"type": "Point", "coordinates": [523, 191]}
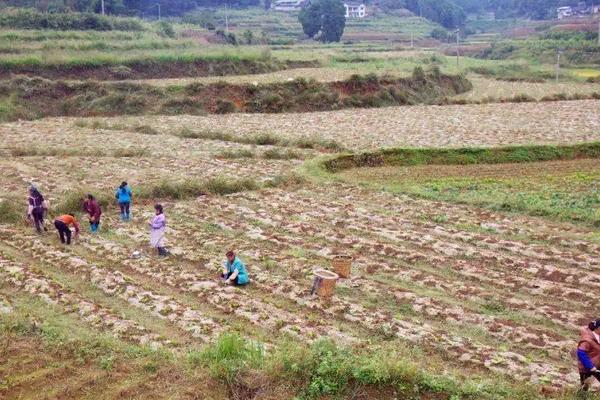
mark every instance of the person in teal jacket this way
{"type": "Point", "coordinates": [123, 196]}
{"type": "Point", "coordinates": [234, 270]}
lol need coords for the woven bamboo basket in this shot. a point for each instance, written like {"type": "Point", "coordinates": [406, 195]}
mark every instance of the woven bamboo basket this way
{"type": "Point", "coordinates": [342, 265]}
{"type": "Point", "coordinates": [326, 284]}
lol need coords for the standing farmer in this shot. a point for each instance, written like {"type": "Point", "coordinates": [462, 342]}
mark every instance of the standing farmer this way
{"type": "Point", "coordinates": [91, 206]}
{"type": "Point", "coordinates": [123, 196]}
{"type": "Point", "coordinates": [157, 230]}
{"type": "Point", "coordinates": [234, 270]}
{"type": "Point", "coordinates": [62, 226]}
{"type": "Point", "coordinates": [588, 353]}
{"type": "Point", "coordinates": [36, 209]}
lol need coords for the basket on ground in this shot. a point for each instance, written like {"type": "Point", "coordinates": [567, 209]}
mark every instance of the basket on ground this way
{"type": "Point", "coordinates": [325, 282]}
{"type": "Point", "coordinates": [342, 265]}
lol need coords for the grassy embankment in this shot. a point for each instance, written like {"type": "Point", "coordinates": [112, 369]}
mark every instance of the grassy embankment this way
{"type": "Point", "coordinates": [29, 98]}
{"type": "Point", "coordinates": [561, 182]}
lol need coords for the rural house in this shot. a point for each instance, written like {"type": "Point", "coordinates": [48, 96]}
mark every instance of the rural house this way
{"type": "Point", "coordinates": [355, 10]}
{"type": "Point", "coordinates": [288, 5]}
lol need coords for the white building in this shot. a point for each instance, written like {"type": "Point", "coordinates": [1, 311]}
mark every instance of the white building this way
{"type": "Point", "coordinates": [355, 10]}
{"type": "Point", "coordinates": [288, 5]}
{"type": "Point", "coordinates": [564, 12]}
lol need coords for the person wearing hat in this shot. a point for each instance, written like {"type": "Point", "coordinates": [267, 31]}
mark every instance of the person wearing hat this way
{"type": "Point", "coordinates": [234, 270]}
{"type": "Point", "coordinates": [588, 353]}
{"type": "Point", "coordinates": [37, 209]}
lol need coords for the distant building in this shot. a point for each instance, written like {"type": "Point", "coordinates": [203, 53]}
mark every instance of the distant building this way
{"type": "Point", "coordinates": [355, 10]}
{"type": "Point", "coordinates": [564, 12]}
{"type": "Point", "coordinates": [581, 9]}
{"type": "Point", "coordinates": [288, 5]}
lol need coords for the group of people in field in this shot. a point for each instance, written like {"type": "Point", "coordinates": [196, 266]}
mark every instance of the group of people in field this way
{"type": "Point", "coordinates": [234, 270]}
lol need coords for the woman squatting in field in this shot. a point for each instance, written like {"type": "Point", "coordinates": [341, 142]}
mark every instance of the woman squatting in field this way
{"type": "Point", "coordinates": [588, 353]}
{"type": "Point", "coordinates": [234, 270]}
{"type": "Point", "coordinates": [157, 230]}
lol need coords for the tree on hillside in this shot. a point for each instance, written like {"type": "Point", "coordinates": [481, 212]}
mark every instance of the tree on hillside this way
{"type": "Point", "coordinates": [310, 18]}
{"type": "Point", "coordinates": [326, 17]}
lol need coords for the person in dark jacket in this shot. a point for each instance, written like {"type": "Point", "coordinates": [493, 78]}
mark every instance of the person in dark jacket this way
{"type": "Point", "coordinates": [123, 195]}
{"type": "Point", "coordinates": [588, 353]}
{"type": "Point", "coordinates": [91, 206]}
{"type": "Point", "coordinates": [37, 209]}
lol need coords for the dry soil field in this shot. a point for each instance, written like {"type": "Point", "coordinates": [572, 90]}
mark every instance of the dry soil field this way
{"type": "Point", "coordinates": [478, 291]}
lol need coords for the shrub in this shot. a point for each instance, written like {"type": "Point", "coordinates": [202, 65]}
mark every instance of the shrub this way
{"type": "Point", "coordinates": [224, 107]}
{"type": "Point", "coordinates": [165, 28]}
{"type": "Point", "coordinates": [418, 74]}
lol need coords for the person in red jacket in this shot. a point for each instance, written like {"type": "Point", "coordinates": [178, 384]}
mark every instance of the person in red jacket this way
{"type": "Point", "coordinates": [588, 353]}
{"type": "Point", "coordinates": [91, 206]}
{"type": "Point", "coordinates": [62, 226]}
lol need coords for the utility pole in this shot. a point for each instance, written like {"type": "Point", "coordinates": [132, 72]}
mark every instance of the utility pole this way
{"type": "Point", "coordinates": [226, 20]}
{"type": "Point", "coordinates": [158, 4]}
{"type": "Point", "coordinates": [457, 47]}
{"type": "Point", "coordinates": [102, 6]}
{"type": "Point", "coordinates": [412, 40]}
{"type": "Point", "coordinates": [558, 53]}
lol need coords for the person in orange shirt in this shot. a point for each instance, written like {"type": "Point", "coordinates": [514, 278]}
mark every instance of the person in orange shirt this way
{"type": "Point", "coordinates": [62, 226]}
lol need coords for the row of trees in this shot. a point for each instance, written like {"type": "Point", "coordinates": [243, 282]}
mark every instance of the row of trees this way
{"type": "Point", "coordinates": [126, 7]}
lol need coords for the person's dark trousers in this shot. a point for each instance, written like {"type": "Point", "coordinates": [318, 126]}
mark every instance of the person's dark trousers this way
{"type": "Point", "coordinates": [63, 230]}
{"type": "Point", "coordinates": [584, 375]}
{"type": "Point", "coordinates": [227, 275]}
{"type": "Point", "coordinates": [38, 219]}
{"type": "Point", "coordinates": [124, 211]}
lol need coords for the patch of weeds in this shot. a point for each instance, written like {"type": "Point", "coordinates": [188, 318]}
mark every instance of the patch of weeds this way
{"type": "Point", "coordinates": [276, 154]}
{"type": "Point", "coordinates": [223, 185]}
{"type": "Point", "coordinates": [233, 154]}
{"type": "Point", "coordinates": [130, 152]}
{"type": "Point", "coordinates": [440, 218]}
{"type": "Point", "coordinates": [146, 130]}
{"type": "Point", "coordinates": [265, 139]}
{"type": "Point", "coordinates": [10, 213]}
{"type": "Point", "coordinates": [494, 306]}
{"type": "Point", "coordinates": [228, 356]}
{"type": "Point", "coordinates": [106, 362]}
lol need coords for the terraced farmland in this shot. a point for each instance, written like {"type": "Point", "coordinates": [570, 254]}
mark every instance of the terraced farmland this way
{"type": "Point", "coordinates": [502, 294]}
{"type": "Point", "coordinates": [468, 281]}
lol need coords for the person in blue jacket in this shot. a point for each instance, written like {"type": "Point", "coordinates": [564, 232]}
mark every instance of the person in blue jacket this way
{"type": "Point", "coordinates": [234, 270]}
{"type": "Point", "coordinates": [123, 196]}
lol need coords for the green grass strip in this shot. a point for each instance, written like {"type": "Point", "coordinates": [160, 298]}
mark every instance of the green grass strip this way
{"type": "Point", "coordinates": [462, 156]}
